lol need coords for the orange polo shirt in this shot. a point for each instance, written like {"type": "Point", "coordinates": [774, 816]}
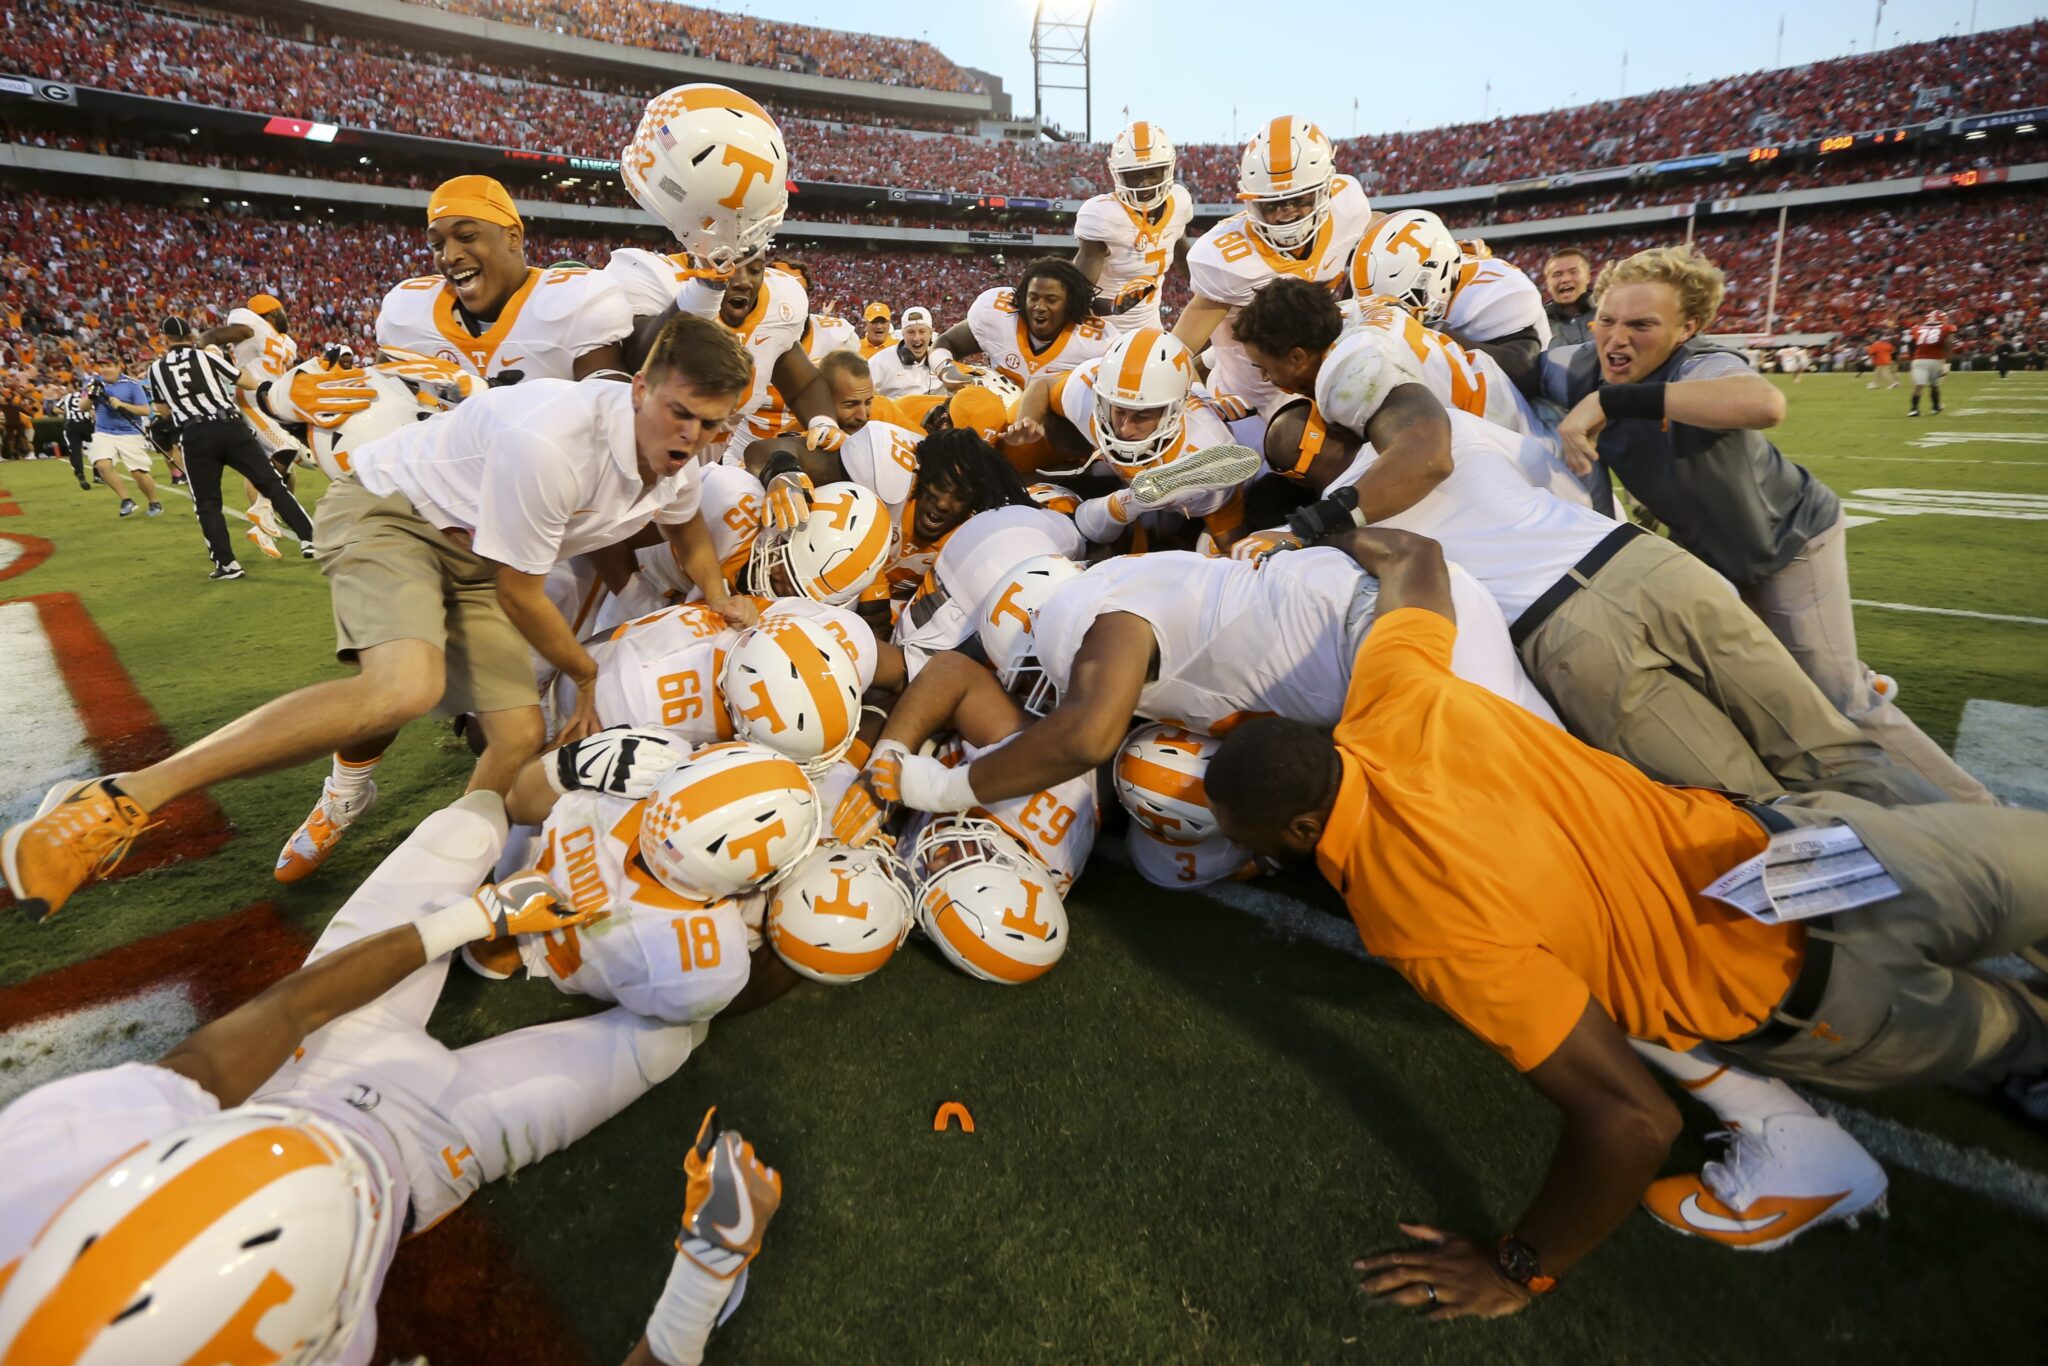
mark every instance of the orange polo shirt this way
{"type": "Point", "coordinates": [1509, 871]}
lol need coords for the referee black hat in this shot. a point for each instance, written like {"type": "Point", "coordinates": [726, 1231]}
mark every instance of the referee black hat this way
{"type": "Point", "coordinates": [175, 327]}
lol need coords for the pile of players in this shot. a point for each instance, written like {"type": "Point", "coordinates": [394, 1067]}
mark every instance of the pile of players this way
{"type": "Point", "coordinates": [958, 617]}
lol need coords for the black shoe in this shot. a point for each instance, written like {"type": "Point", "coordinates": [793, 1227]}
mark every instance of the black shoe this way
{"type": "Point", "coordinates": [87, 487]}
{"type": "Point", "coordinates": [127, 507]}
{"type": "Point", "coordinates": [155, 510]}
{"type": "Point", "coordinates": [305, 551]}
{"type": "Point", "coordinates": [1912, 412]}
{"type": "Point", "coordinates": [224, 572]}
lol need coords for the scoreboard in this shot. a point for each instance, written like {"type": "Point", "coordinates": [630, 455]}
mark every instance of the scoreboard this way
{"type": "Point", "coordinates": [1833, 144]}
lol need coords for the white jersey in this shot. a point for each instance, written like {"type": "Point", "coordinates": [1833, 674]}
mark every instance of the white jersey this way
{"type": "Point", "coordinates": [1056, 827]}
{"type": "Point", "coordinates": [830, 333]}
{"type": "Point", "coordinates": [976, 557]}
{"type": "Point", "coordinates": [776, 323]}
{"type": "Point", "coordinates": [663, 669]}
{"type": "Point", "coordinates": [1187, 866]}
{"type": "Point", "coordinates": [1140, 248]}
{"type": "Point", "coordinates": [894, 377]}
{"type": "Point", "coordinates": [555, 317]}
{"type": "Point", "coordinates": [1073, 398]}
{"type": "Point", "coordinates": [648, 279]}
{"type": "Point", "coordinates": [999, 330]}
{"type": "Point", "coordinates": [657, 953]}
{"type": "Point", "coordinates": [882, 457]}
{"type": "Point", "coordinates": [1278, 636]}
{"type": "Point", "coordinates": [1514, 539]}
{"type": "Point", "coordinates": [1229, 263]}
{"type": "Point", "coordinates": [264, 356]}
{"type": "Point", "coordinates": [1395, 348]}
{"type": "Point", "coordinates": [1491, 298]}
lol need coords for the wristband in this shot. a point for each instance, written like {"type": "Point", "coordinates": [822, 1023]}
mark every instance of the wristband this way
{"type": "Point", "coordinates": [1620, 401]}
{"type": "Point", "coordinates": [817, 422]}
{"type": "Point", "coordinates": [442, 932]}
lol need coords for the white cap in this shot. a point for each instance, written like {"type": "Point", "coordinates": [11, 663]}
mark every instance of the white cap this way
{"type": "Point", "coordinates": [917, 315]}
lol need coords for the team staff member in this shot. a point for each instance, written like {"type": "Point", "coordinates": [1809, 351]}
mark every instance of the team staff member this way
{"type": "Point", "coordinates": [875, 334]}
{"type": "Point", "coordinates": [196, 390]}
{"type": "Point", "coordinates": [439, 581]}
{"type": "Point", "coordinates": [1881, 366]}
{"type": "Point", "coordinates": [1681, 424]}
{"type": "Point", "coordinates": [1549, 897]}
{"type": "Point", "coordinates": [119, 407]}
{"type": "Point", "coordinates": [76, 411]}
{"type": "Point", "coordinates": [911, 366]}
{"type": "Point", "coordinates": [1567, 280]}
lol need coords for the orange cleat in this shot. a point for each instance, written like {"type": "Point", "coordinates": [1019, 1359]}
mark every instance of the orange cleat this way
{"type": "Point", "coordinates": [317, 835]}
{"type": "Point", "coordinates": [79, 833]}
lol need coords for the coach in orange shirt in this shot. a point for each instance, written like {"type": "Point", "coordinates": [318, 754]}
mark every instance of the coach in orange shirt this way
{"type": "Point", "coordinates": [1549, 897]}
{"type": "Point", "coordinates": [1881, 367]}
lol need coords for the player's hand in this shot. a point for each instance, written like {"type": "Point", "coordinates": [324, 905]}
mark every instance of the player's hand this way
{"type": "Point", "coordinates": [1133, 293]}
{"type": "Point", "coordinates": [582, 721]}
{"type": "Point", "coordinates": [789, 500]}
{"type": "Point", "coordinates": [319, 394]}
{"type": "Point", "coordinates": [1023, 432]}
{"type": "Point", "coordinates": [446, 377]}
{"type": "Point", "coordinates": [823, 434]}
{"type": "Point", "coordinates": [731, 1196]}
{"type": "Point", "coordinates": [884, 773]}
{"type": "Point", "coordinates": [857, 820]}
{"type": "Point", "coordinates": [526, 903]}
{"type": "Point", "coordinates": [1449, 1277]}
{"type": "Point", "coordinates": [739, 612]}
{"type": "Point", "coordinates": [619, 761]}
{"type": "Point", "coordinates": [1325, 517]}
{"type": "Point", "coordinates": [1579, 434]}
{"type": "Point", "coordinates": [1229, 407]}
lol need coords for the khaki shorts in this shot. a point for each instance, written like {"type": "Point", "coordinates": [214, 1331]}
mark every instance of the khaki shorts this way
{"type": "Point", "coordinates": [131, 451]}
{"type": "Point", "coordinates": [395, 576]}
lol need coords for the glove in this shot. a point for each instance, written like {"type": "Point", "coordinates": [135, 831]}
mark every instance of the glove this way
{"type": "Point", "coordinates": [857, 820]}
{"type": "Point", "coordinates": [450, 380]}
{"type": "Point", "coordinates": [1133, 293]}
{"type": "Point", "coordinates": [789, 500]}
{"type": "Point", "coordinates": [525, 903]}
{"type": "Point", "coordinates": [1338, 512]}
{"type": "Point", "coordinates": [885, 770]}
{"type": "Point", "coordinates": [319, 395]}
{"type": "Point", "coordinates": [1229, 407]}
{"type": "Point", "coordinates": [731, 1196]}
{"type": "Point", "coordinates": [619, 761]}
{"type": "Point", "coordinates": [823, 434]}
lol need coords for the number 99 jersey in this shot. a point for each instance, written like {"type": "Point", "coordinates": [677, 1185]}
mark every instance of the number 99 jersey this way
{"type": "Point", "coordinates": [654, 951]}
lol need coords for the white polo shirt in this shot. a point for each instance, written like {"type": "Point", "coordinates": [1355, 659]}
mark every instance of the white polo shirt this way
{"type": "Point", "coordinates": [536, 473]}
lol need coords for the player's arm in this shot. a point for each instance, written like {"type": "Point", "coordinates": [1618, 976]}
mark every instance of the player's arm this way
{"type": "Point", "coordinates": [1518, 354]}
{"type": "Point", "coordinates": [795, 377]}
{"type": "Point", "coordinates": [608, 360]}
{"type": "Point", "coordinates": [227, 334]}
{"type": "Point", "coordinates": [952, 692]}
{"type": "Point", "coordinates": [1744, 401]}
{"type": "Point", "coordinates": [1091, 258]}
{"type": "Point", "coordinates": [525, 600]}
{"type": "Point", "coordinates": [1197, 321]}
{"type": "Point", "coordinates": [1085, 729]}
{"type": "Point", "coordinates": [1034, 412]}
{"type": "Point", "coordinates": [698, 556]}
{"type": "Point", "coordinates": [1410, 568]}
{"type": "Point", "coordinates": [957, 339]}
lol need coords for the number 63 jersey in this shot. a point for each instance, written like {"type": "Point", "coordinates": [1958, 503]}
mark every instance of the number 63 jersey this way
{"type": "Point", "coordinates": [651, 950]}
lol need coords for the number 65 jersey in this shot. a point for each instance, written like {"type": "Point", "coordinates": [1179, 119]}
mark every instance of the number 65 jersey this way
{"type": "Point", "coordinates": [651, 950]}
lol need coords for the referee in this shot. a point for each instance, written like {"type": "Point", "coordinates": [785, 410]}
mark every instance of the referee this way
{"type": "Point", "coordinates": [76, 410]}
{"type": "Point", "coordinates": [196, 390]}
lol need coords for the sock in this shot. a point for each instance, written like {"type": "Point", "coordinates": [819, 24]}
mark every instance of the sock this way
{"type": "Point", "coordinates": [1739, 1099]}
{"type": "Point", "coordinates": [351, 781]}
{"type": "Point", "coordinates": [1936, 391]}
{"type": "Point", "coordinates": [690, 1306]}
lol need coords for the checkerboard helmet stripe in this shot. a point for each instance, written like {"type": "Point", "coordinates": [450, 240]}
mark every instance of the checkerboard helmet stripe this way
{"type": "Point", "coordinates": [730, 819]}
{"type": "Point", "coordinates": [711, 164]}
{"type": "Point", "coordinates": [842, 913]}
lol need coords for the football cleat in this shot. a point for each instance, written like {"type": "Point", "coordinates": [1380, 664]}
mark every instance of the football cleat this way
{"type": "Point", "coordinates": [1884, 685]}
{"type": "Point", "coordinates": [1795, 1173]}
{"type": "Point", "coordinates": [317, 835]}
{"type": "Point", "coordinates": [263, 541]}
{"type": "Point", "coordinates": [1212, 467]}
{"type": "Point", "coordinates": [264, 515]}
{"type": "Point", "coordinates": [78, 835]}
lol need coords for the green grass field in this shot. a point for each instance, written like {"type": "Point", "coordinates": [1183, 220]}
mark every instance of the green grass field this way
{"type": "Point", "coordinates": [1187, 1131]}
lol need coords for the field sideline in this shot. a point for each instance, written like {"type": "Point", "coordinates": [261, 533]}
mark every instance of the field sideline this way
{"type": "Point", "coordinates": [1184, 1134]}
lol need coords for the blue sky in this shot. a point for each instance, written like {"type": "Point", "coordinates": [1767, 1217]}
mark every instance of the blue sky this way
{"type": "Point", "coordinates": [1186, 63]}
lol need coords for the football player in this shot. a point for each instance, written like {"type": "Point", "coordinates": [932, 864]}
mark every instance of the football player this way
{"type": "Point", "coordinates": [1483, 303]}
{"type": "Point", "coordinates": [979, 553]}
{"type": "Point", "coordinates": [1301, 220]}
{"type": "Point", "coordinates": [1132, 236]}
{"type": "Point", "coordinates": [1929, 339]}
{"type": "Point", "coordinates": [1043, 325]}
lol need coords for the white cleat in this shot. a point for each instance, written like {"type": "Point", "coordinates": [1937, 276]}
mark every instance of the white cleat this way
{"type": "Point", "coordinates": [1212, 467]}
{"type": "Point", "coordinates": [263, 541]}
{"type": "Point", "coordinates": [1795, 1173]}
{"type": "Point", "coordinates": [265, 515]}
{"type": "Point", "coordinates": [1884, 685]}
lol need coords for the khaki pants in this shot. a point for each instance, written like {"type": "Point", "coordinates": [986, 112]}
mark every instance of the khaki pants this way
{"type": "Point", "coordinates": [1806, 605]}
{"type": "Point", "coordinates": [1656, 660]}
{"type": "Point", "coordinates": [395, 576]}
{"type": "Point", "coordinates": [1905, 1003]}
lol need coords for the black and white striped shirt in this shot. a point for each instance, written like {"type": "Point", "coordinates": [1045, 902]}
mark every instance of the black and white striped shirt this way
{"type": "Point", "coordinates": [75, 407]}
{"type": "Point", "coordinates": [197, 386]}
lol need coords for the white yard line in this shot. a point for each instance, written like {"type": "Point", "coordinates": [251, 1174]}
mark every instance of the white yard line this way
{"type": "Point", "coordinates": [182, 492]}
{"type": "Point", "coordinates": [1949, 612]}
{"type": "Point", "coordinates": [43, 738]}
{"type": "Point", "coordinates": [1935, 460]}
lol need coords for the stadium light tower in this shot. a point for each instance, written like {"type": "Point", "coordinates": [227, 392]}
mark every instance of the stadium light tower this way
{"type": "Point", "coordinates": [1059, 56]}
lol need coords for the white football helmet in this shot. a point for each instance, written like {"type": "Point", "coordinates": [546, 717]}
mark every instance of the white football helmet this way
{"type": "Point", "coordinates": [1007, 619]}
{"type": "Point", "coordinates": [1412, 259]}
{"type": "Point", "coordinates": [1159, 775]}
{"type": "Point", "coordinates": [992, 909]}
{"type": "Point", "coordinates": [842, 913]}
{"type": "Point", "coordinates": [791, 686]}
{"type": "Point", "coordinates": [730, 819]}
{"type": "Point", "coordinates": [1057, 497]}
{"type": "Point", "coordinates": [711, 164]}
{"type": "Point", "coordinates": [262, 1221]}
{"type": "Point", "coordinates": [397, 406]}
{"type": "Point", "coordinates": [846, 542]}
{"type": "Point", "coordinates": [1146, 370]}
{"type": "Point", "coordinates": [1142, 148]}
{"type": "Point", "coordinates": [1287, 159]}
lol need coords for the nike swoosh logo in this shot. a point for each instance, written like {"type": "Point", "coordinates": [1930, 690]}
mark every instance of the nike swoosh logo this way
{"type": "Point", "coordinates": [1690, 1211]}
{"type": "Point", "coordinates": [743, 1228]}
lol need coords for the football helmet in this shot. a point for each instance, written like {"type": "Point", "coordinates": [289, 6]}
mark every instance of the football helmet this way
{"type": "Point", "coordinates": [791, 687]}
{"type": "Point", "coordinates": [1159, 775]}
{"type": "Point", "coordinates": [1057, 497]}
{"type": "Point", "coordinates": [842, 913]}
{"type": "Point", "coordinates": [396, 406]}
{"type": "Point", "coordinates": [845, 543]}
{"type": "Point", "coordinates": [730, 819]}
{"type": "Point", "coordinates": [1145, 370]}
{"type": "Point", "coordinates": [711, 164]}
{"type": "Point", "coordinates": [992, 909]}
{"type": "Point", "coordinates": [263, 1224]}
{"type": "Point", "coordinates": [1142, 148]}
{"type": "Point", "coordinates": [1259, 546]}
{"type": "Point", "coordinates": [1412, 259]}
{"type": "Point", "coordinates": [1287, 159]}
{"type": "Point", "coordinates": [1006, 621]}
